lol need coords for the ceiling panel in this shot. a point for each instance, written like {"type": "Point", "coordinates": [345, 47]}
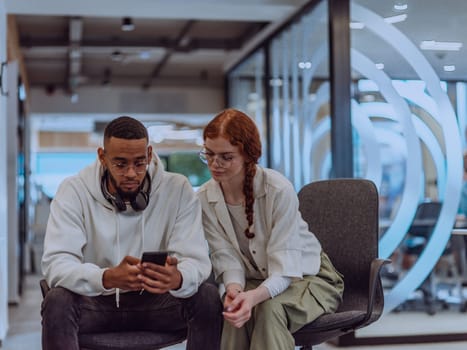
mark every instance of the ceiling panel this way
{"type": "Point", "coordinates": [77, 49]}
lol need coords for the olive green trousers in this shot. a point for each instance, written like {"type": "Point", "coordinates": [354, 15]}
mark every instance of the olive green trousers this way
{"type": "Point", "coordinates": [273, 321]}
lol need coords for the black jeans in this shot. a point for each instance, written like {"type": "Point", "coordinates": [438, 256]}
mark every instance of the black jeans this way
{"type": "Point", "coordinates": [65, 315]}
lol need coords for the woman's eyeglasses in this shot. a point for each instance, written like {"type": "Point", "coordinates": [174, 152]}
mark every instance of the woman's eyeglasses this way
{"type": "Point", "coordinates": [224, 160]}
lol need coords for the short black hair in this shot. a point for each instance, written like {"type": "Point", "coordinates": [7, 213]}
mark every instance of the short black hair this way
{"type": "Point", "coordinates": [127, 128]}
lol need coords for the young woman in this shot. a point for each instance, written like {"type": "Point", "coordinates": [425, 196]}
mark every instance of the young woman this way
{"type": "Point", "coordinates": [276, 276]}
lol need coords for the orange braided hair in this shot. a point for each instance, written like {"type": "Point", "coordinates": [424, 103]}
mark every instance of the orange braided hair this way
{"type": "Point", "coordinates": [241, 131]}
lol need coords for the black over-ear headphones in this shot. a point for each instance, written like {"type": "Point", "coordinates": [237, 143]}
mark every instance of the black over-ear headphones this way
{"type": "Point", "coordinates": [138, 203]}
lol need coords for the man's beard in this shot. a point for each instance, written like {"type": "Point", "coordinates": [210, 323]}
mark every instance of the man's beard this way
{"type": "Point", "coordinates": [127, 196]}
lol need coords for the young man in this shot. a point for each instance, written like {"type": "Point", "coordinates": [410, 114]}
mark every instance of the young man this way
{"type": "Point", "coordinates": [101, 221]}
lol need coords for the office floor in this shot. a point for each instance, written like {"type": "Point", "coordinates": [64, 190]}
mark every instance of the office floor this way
{"type": "Point", "coordinates": [25, 328]}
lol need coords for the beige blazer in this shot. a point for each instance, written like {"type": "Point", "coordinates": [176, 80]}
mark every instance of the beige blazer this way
{"type": "Point", "coordinates": [282, 245]}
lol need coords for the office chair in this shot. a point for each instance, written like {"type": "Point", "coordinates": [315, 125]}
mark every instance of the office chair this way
{"type": "Point", "coordinates": [343, 214]}
{"type": "Point", "coordinates": [447, 272]}
{"type": "Point", "coordinates": [131, 340]}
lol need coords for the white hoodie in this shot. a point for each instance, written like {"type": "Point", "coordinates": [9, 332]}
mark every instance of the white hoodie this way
{"type": "Point", "coordinates": [86, 234]}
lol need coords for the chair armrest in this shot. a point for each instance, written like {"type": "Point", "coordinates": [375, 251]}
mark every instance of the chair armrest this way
{"type": "Point", "coordinates": [375, 270]}
{"type": "Point", "coordinates": [44, 287]}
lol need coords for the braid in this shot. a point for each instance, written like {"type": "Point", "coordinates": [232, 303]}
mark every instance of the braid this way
{"type": "Point", "coordinates": [250, 170]}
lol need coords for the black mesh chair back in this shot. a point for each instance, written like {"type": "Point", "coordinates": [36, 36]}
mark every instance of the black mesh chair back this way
{"type": "Point", "coordinates": [425, 218]}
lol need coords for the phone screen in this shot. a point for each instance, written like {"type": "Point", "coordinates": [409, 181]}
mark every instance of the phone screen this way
{"type": "Point", "coordinates": [158, 258]}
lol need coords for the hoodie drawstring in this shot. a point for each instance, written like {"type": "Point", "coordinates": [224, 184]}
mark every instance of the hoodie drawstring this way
{"type": "Point", "coordinates": [142, 233]}
{"type": "Point", "coordinates": [117, 291]}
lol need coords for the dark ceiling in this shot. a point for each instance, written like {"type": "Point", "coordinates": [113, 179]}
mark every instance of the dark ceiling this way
{"type": "Point", "coordinates": [68, 45]}
{"type": "Point", "coordinates": [176, 42]}
{"type": "Point", "coordinates": [67, 52]}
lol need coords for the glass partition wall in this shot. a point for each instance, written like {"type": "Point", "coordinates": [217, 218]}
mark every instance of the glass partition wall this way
{"type": "Point", "coordinates": [296, 91]}
{"type": "Point", "coordinates": [408, 122]}
{"type": "Point", "coordinates": [247, 93]}
{"type": "Point", "coordinates": [299, 98]}
{"type": "Point", "coordinates": [411, 147]}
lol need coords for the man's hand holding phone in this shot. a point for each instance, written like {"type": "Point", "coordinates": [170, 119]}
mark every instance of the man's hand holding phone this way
{"type": "Point", "coordinates": [124, 276]}
{"type": "Point", "coordinates": [159, 272]}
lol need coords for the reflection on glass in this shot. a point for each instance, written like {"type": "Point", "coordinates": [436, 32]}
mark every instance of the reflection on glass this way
{"type": "Point", "coordinates": [418, 149]}
{"type": "Point", "coordinates": [246, 93]}
{"type": "Point", "coordinates": [299, 90]}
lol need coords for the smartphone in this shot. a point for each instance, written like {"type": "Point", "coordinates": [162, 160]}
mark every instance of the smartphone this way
{"type": "Point", "coordinates": [158, 258]}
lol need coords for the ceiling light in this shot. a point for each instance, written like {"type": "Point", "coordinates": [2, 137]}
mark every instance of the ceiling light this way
{"type": "Point", "coordinates": [440, 45]}
{"type": "Point", "coordinates": [400, 6]}
{"type": "Point", "coordinates": [275, 82]}
{"type": "Point", "coordinates": [379, 65]}
{"type": "Point", "coordinates": [127, 24]}
{"type": "Point", "coordinates": [396, 19]}
{"type": "Point", "coordinates": [185, 41]}
{"type": "Point", "coordinates": [368, 98]}
{"type": "Point", "coordinates": [304, 65]}
{"type": "Point", "coordinates": [356, 25]}
{"type": "Point", "coordinates": [449, 68]}
{"type": "Point", "coordinates": [116, 56]}
{"type": "Point", "coordinates": [145, 55]}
